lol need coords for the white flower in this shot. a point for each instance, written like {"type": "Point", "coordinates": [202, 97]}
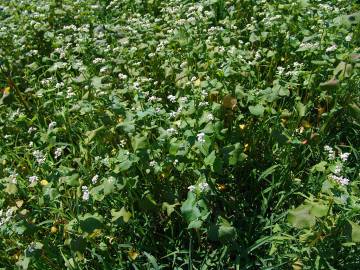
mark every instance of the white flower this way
{"type": "Point", "coordinates": [103, 69]}
{"type": "Point", "coordinates": [183, 99]}
{"type": "Point", "coordinates": [58, 152]}
{"type": "Point", "coordinates": [152, 163]}
{"type": "Point", "coordinates": [31, 130]}
{"type": "Point", "coordinates": [171, 131]}
{"type": "Point", "coordinates": [39, 156]}
{"type": "Point", "coordinates": [13, 178]}
{"type": "Point", "coordinates": [59, 85]}
{"type": "Point", "coordinates": [203, 103]}
{"type": "Point", "coordinates": [340, 179]}
{"type": "Point", "coordinates": [172, 114]}
{"type": "Point", "coordinates": [69, 93]}
{"type": "Point", "coordinates": [183, 64]}
{"type": "Point", "coordinates": [191, 188]}
{"type": "Point", "coordinates": [98, 60]}
{"type": "Point", "coordinates": [175, 162]}
{"type": "Point", "coordinates": [171, 98]}
{"type": "Point", "coordinates": [122, 76]}
{"type": "Point", "coordinates": [280, 70]}
{"type": "Point", "coordinates": [309, 45]}
{"type": "Point", "coordinates": [86, 193]}
{"type": "Point", "coordinates": [136, 85]}
{"type": "Point", "coordinates": [123, 143]}
{"type": "Point", "coordinates": [203, 186]}
{"type": "Point", "coordinates": [338, 169]}
{"type": "Point", "coordinates": [331, 48]}
{"type": "Point", "coordinates": [200, 137]}
{"type": "Point", "coordinates": [331, 153]}
{"type": "Point", "coordinates": [210, 117]}
{"type": "Point", "coordinates": [9, 213]}
{"type": "Point", "coordinates": [348, 38]}
{"type": "Point", "coordinates": [52, 125]}
{"type": "Point", "coordinates": [344, 156]}
{"type": "Point", "coordinates": [33, 179]}
{"type": "Point", "coordinates": [95, 179]}
{"type": "Point", "coordinates": [152, 98]}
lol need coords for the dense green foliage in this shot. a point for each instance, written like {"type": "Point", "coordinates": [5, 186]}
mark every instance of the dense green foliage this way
{"type": "Point", "coordinates": [147, 134]}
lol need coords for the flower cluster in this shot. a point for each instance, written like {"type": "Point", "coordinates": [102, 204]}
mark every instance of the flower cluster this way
{"type": "Point", "coordinates": [6, 216]}
{"type": "Point", "coordinates": [39, 156]}
{"type": "Point", "coordinates": [85, 193]}
{"type": "Point", "coordinates": [343, 157]}
{"type": "Point", "coordinates": [202, 187]}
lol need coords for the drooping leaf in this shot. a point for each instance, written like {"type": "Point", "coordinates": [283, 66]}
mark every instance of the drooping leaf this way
{"type": "Point", "coordinates": [257, 110]}
{"type": "Point", "coordinates": [152, 261]}
{"type": "Point", "coordinates": [139, 142]}
{"type": "Point", "coordinates": [209, 160]}
{"type": "Point", "coordinates": [71, 180]}
{"type": "Point", "coordinates": [355, 232]}
{"type": "Point", "coordinates": [301, 217]}
{"type": "Point", "coordinates": [91, 222]}
{"type": "Point", "coordinates": [319, 209]}
{"type": "Point", "coordinates": [320, 167]}
{"type": "Point", "coordinates": [109, 185]}
{"type": "Point", "coordinates": [122, 213]}
{"type": "Point", "coordinates": [91, 134]}
{"type": "Point", "coordinates": [169, 208]}
{"type": "Point", "coordinates": [226, 231]}
{"type": "Point", "coordinates": [189, 209]}
{"type": "Point", "coordinates": [195, 224]}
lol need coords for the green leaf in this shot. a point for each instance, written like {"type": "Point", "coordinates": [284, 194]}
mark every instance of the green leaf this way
{"type": "Point", "coordinates": [283, 91]}
{"type": "Point", "coordinates": [109, 185]}
{"type": "Point", "coordinates": [253, 37]}
{"type": "Point", "coordinates": [257, 110]}
{"type": "Point", "coordinates": [91, 134]}
{"type": "Point", "coordinates": [78, 244]}
{"type": "Point", "coordinates": [354, 110]}
{"type": "Point", "coordinates": [96, 82]}
{"type": "Point", "coordinates": [195, 224]}
{"type": "Point", "coordinates": [24, 263]}
{"type": "Point", "coordinates": [139, 142]}
{"type": "Point", "coordinates": [123, 166]}
{"type": "Point", "coordinates": [169, 208]}
{"type": "Point", "coordinates": [209, 160]}
{"type": "Point", "coordinates": [226, 231]}
{"type": "Point", "coordinates": [56, 66]}
{"type": "Point", "coordinates": [318, 209]}
{"type": "Point", "coordinates": [152, 261]}
{"type": "Point", "coordinates": [301, 217]}
{"type": "Point", "coordinates": [97, 193]}
{"type": "Point", "coordinates": [173, 149]}
{"type": "Point", "coordinates": [122, 213]}
{"type": "Point", "coordinates": [234, 153]}
{"type": "Point", "coordinates": [301, 109]}
{"type": "Point", "coordinates": [11, 188]}
{"type": "Point", "coordinates": [320, 167]}
{"type": "Point", "coordinates": [355, 231]}
{"type": "Point", "coordinates": [189, 209]}
{"type": "Point", "coordinates": [89, 222]}
{"type": "Point", "coordinates": [71, 180]}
